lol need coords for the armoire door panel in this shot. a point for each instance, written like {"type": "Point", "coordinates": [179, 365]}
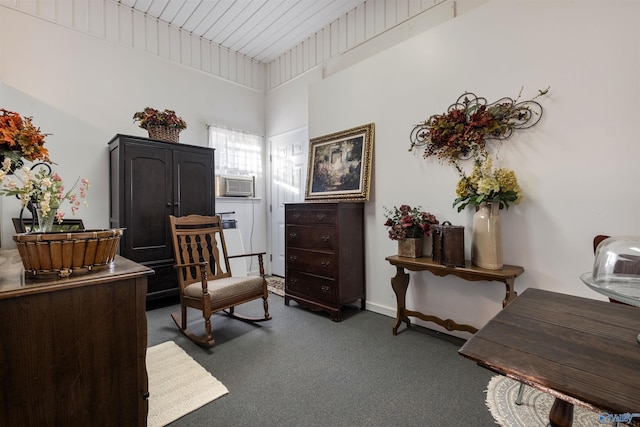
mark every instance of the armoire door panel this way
{"type": "Point", "coordinates": [193, 191]}
{"type": "Point", "coordinates": [150, 200]}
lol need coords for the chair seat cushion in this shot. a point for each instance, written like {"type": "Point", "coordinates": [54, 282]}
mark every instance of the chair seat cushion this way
{"type": "Point", "coordinates": [228, 288]}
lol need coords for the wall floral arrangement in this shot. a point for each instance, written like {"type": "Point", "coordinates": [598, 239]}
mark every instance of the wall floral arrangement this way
{"type": "Point", "coordinates": [463, 130]}
{"type": "Point", "coordinates": [463, 133]}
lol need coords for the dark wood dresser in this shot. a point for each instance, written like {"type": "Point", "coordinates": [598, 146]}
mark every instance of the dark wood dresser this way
{"type": "Point", "coordinates": [72, 351]}
{"type": "Point", "coordinates": [324, 255]}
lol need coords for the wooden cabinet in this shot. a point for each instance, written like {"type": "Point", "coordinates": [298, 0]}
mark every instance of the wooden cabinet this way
{"type": "Point", "coordinates": [72, 351]}
{"type": "Point", "coordinates": [324, 255]}
{"type": "Point", "coordinates": [151, 180]}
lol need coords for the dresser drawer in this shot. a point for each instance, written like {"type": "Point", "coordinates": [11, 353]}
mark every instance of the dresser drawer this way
{"type": "Point", "coordinates": [317, 288]}
{"type": "Point", "coordinates": [314, 216]}
{"type": "Point", "coordinates": [320, 263]}
{"type": "Point", "coordinates": [319, 238]}
{"type": "Point", "coordinates": [322, 216]}
{"type": "Point", "coordinates": [296, 217]}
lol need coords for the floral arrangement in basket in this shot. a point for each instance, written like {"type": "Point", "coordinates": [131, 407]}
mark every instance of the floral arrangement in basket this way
{"type": "Point", "coordinates": [152, 117]}
{"type": "Point", "coordinates": [44, 189]}
{"type": "Point", "coordinates": [486, 184]}
{"type": "Point", "coordinates": [21, 139]}
{"type": "Point", "coordinates": [163, 125]}
{"type": "Point", "coordinates": [407, 222]}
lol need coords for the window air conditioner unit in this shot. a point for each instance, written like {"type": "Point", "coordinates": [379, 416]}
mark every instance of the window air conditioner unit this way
{"type": "Point", "coordinates": [235, 186]}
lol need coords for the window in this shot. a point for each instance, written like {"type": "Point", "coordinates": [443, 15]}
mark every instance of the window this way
{"type": "Point", "coordinates": [237, 152]}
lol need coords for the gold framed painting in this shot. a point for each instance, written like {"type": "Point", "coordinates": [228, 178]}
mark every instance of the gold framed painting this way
{"type": "Point", "coordinates": [340, 165]}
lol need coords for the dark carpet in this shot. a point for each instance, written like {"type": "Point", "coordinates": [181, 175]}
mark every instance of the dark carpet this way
{"type": "Point", "coordinates": [302, 369]}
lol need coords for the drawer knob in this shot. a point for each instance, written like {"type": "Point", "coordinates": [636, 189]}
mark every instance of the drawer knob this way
{"type": "Point", "coordinates": [325, 238]}
{"type": "Point", "coordinates": [296, 216]}
{"type": "Point", "coordinates": [292, 235]}
{"type": "Point", "coordinates": [320, 216]}
{"type": "Point", "coordinates": [293, 258]}
{"type": "Point", "coordinates": [325, 289]}
{"type": "Point", "coordinates": [325, 264]}
{"type": "Point", "coordinates": [294, 281]}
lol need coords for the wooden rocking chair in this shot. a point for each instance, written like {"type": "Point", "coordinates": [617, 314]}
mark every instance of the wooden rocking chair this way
{"type": "Point", "coordinates": [204, 274]}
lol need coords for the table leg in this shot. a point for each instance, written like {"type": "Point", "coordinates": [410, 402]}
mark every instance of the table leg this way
{"type": "Point", "coordinates": [400, 283]}
{"type": "Point", "coordinates": [561, 414]}
{"type": "Point", "coordinates": [510, 294]}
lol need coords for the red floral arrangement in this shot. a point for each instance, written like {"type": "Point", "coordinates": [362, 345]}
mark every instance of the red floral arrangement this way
{"type": "Point", "coordinates": [20, 138]}
{"type": "Point", "coordinates": [408, 222]}
{"type": "Point", "coordinates": [152, 117]}
{"type": "Point", "coordinates": [457, 134]}
{"type": "Point", "coordinates": [462, 131]}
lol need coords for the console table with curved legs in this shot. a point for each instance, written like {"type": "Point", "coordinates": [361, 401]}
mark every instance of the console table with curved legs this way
{"type": "Point", "coordinates": [400, 283]}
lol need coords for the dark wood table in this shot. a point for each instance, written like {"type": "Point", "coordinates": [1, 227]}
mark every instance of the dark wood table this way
{"type": "Point", "coordinates": [400, 283]}
{"type": "Point", "coordinates": [581, 351]}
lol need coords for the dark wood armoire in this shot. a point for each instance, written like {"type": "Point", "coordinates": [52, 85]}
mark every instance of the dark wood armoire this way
{"type": "Point", "coordinates": [151, 180]}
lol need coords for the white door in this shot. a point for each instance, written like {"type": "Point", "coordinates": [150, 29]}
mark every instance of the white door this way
{"type": "Point", "coordinates": [289, 156]}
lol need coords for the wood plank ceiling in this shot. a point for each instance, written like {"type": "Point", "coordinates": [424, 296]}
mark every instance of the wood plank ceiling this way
{"type": "Point", "coordinates": [259, 29]}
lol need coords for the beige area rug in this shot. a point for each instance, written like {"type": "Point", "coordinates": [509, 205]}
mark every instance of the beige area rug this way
{"type": "Point", "coordinates": [534, 410]}
{"type": "Point", "coordinates": [177, 384]}
{"type": "Point", "coordinates": [275, 284]}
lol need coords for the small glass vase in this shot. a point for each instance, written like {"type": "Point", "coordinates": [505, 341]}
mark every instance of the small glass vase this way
{"type": "Point", "coordinates": [45, 222]}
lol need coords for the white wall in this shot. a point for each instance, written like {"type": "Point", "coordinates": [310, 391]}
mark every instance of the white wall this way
{"type": "Point", "coordinates": [118, 22]}
{"type": "Point", "coordinates": [287, 106]}
{"type": "Point", "coordinates": [577, 166]}
{"type": "Point", "coordinates": [84, 90]}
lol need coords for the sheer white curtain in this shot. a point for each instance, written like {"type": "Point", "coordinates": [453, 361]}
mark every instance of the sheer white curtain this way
{"type": "Point", "coordinates": [237, 152]}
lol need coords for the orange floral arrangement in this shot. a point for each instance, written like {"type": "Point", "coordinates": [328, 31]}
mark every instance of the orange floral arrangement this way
{"type": "Point", "coordinates": [20, 138]}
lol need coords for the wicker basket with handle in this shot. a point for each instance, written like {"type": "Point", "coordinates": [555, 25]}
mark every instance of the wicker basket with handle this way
{"type": "Point", "coordinates": [163, 133]}
{"type": "Point", "coordinates": [61, 254]}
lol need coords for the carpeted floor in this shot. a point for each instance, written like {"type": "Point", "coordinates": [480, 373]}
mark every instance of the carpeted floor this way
{"type": "Point", "coordinates": [275, 284]}
{"type": "Point", "coordinates": [302, 369]}
{"type": "Point", "coordinates": [534, 410]}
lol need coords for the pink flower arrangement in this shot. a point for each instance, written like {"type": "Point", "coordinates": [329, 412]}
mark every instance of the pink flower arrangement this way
{"type": "Point", "coordinates": [42, 188]}
{"type": "Point", "coordinates": [408, 222]}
